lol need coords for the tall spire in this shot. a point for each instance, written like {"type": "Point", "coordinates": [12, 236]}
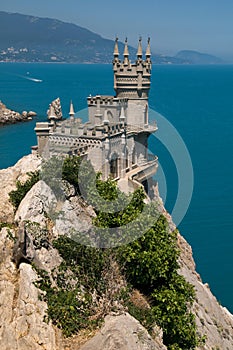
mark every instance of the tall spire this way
{"type": "Point", "coordinates": [116, 50]}
{"type": "Point", "coordinates": [139, 53]}
{"type": "Point", "coordinates": [72, 112]}
{"type": "Point", "coordinates": [126, 52]}
{"type": "Point", "coordinates": [148, 53]}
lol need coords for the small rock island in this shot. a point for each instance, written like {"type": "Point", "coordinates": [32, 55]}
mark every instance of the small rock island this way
{"type": "Point", "coordinates": [8, 116]}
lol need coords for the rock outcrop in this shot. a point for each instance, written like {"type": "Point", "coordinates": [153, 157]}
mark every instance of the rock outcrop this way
{"type": "Point", "coordinates": [123, 332]}
{"type": "Point", "coordinates": [213, 321]}
{"type": "Point", "coordinates": [22, 325]}
{"type": "Point", "coordinates": [55, 110]}
{"type": "Point", "coordinates": [37, 204]}
{"type": "Point", "coordinates": [8, 116]}
{"type": "Point", "coordinates": [8, 178]}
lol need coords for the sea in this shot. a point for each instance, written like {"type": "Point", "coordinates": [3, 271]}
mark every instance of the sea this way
{"type": "Point", "coordinates": [195, 103]}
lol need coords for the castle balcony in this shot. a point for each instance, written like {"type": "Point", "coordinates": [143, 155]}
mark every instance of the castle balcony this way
{"type": "Point", "coordinates": [137, 128]}
{"type": "Point", "coordinates": [144, 171]}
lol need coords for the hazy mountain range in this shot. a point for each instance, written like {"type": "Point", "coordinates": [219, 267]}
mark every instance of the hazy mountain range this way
{"type": "Point", "coordinates": [26, 38]}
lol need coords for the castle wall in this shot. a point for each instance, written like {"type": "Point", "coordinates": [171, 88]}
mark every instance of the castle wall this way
{"type": "Point", "coordinates": [102, 108]}
{"type": "Point", "coordinates": [136, 112]}
{"type": "Point", "coordinates": [141, 148]}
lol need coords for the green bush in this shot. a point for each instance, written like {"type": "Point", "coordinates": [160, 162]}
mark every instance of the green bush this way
{"type": "Point", "coordinates": [70, 170]}
{"type": "Point", "coordinates": [78, 285]}
{"type": "Point", "coordinates": [6, 224]}
{"type": "Point", "coordinates": [150, 265]}
{"type": "Point", "coordinates": [17, 195]}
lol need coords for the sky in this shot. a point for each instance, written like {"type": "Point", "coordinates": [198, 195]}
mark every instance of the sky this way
{"type": "Point", "coordinates": [202, 25]}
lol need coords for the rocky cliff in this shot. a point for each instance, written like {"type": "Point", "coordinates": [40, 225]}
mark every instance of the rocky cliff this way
{"type": "Point", "coordinates": [8, 116]}
{"type": "Point", "coordinates": [23, 311]}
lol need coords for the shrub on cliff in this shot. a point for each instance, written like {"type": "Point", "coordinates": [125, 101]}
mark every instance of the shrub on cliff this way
{"type": "Point", "coordinates": [86, 287]}
{"type": "Point", "coordinates": [22, 189]}
{"type": "Point", "coordinates": [150, 265]}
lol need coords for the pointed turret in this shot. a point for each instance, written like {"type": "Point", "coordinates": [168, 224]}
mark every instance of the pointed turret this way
{"type": "Point", "coordinates": [126, 53]}
{"type": "Point", "coordinates": [116, 60]}
{"type": "Point", "coordinates": [148, 53]}
{"type": "Point", "coordinates": [139, 53]}
{"type": "Point", "coordinates": [116, 50]}
{"type": "Point", "coordinates": [72, 112]}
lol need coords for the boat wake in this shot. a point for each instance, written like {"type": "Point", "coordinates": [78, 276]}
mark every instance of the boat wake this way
{"type": "Point", "coordinates": [32, 79]}
{"type": "Point", "coordinates": [29, 78]}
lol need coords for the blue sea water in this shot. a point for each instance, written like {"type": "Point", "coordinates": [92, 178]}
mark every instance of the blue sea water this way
{"type": "Point", "coordinates": [197, 100]}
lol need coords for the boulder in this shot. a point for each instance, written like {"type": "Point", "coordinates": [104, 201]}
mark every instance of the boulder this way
{"type": "Point", "coordinates": [75, 220]}
{"type": "Point", "coordinates": [31, 114]}
{"type": "Point", "coordinates": [123, 332]}
{"type": "Point", "coordinates": [24, 114]}
{"type": "Point", "coordinates": [39, 203]}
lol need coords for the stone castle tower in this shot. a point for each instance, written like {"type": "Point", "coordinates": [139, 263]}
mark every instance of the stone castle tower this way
{"type": "Point", "coordinates": [116, 135]}
{"type": "Point", "coordinates": [132, 82]}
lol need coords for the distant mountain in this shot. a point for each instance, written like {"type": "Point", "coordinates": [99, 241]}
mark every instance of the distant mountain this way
{"type": "Point", "coordinates": [34, 39]}
{"type": "Point", "coordinates": [26, 38]}
{"type": "Point", "coordinates": [195, 57]}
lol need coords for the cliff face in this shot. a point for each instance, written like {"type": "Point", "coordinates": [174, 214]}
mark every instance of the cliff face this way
{"type": "Point", "coordinates": [22, 324]}
{"type": "Point", "coordinates": [213, 320]}
{"type": "Point", "coordinates": [8, 178]}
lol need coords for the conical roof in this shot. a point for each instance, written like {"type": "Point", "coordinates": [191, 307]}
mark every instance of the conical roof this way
{"type": "Point", "coordinates": [126, 50]}
{"type": "Point", "coordinates": [148, 53]}
{"type": "Point", "coordinates": [139, 53]}
{"type": "Point", "coordinates": [116, 50]}
{"type": "Point", "coordinates": [72, 112]}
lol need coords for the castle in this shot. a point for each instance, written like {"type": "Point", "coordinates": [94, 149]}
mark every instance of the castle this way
{"type": "Point", "coordinates": [115, 138]}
